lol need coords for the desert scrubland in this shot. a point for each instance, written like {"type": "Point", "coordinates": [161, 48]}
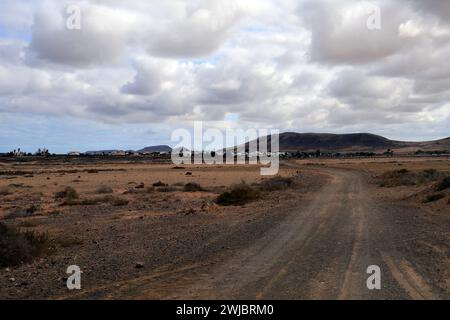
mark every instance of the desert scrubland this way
{"type": "Point", "coordinates": [142, 230]}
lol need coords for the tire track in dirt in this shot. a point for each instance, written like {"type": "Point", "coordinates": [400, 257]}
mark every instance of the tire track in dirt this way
{"type": "Point", "coordinates": [321, 250]}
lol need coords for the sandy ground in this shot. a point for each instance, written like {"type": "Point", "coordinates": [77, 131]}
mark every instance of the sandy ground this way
{"type": "Point", "coordinates": [313, 241]}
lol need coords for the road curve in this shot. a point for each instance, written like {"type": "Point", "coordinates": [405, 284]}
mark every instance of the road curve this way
{"type": "Point", "coordinates": [321, 251]}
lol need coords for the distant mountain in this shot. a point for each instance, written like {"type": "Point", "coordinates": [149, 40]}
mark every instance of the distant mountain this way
{"type": "Point", "coordinates": [151, 149]}
{"type": "Point", "coordinates": [291, 141]}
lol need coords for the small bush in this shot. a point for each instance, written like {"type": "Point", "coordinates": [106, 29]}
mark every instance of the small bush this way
{"type": "Point", "coordinates": [405, 177]}
{"type": "Point", "coordinates": [238, 195]}
{"type": "Point", "coordinates": [434, 197]}
{"type": "Point", "coordinates": [17, 248]}
{"type": "Point", "coordinates": [443, 184]}
{"type": "Point", "coordinates": [166, 189]}
{"type": "Point", "coordinates": [104, 190]}
{"type": "Point", "coordinates": [22, 213]}
{"type": "Point", "coordinates": [178, 184]}
{"type": "Point", "coordinates": [67, 194]}
{"type": "Point", "coordinates": [117, 202]}
{"type": "Point", "coordinates": [192, 187]}
{"type": "Point", "coordinates": [430, 173]}
{"type": "Point", "coordinates": [276, 183]}
{"type": "Point", "coordinates": [160, 184]}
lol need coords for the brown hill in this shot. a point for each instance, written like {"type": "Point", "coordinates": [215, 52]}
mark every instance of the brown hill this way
{"type": "Point", "coordinates": [291, 141]}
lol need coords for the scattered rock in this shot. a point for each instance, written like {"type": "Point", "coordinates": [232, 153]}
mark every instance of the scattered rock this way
{"type": "Point", "coordinates": [139, 265]}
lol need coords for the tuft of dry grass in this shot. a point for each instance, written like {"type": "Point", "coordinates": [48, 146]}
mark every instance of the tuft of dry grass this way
{"type": "Point", "coordinates": [276, 183]}
{"type": "Point", "coordinates": [443, 184]}
{"type": "Point", "coordinates": [166, 189]}
{"type": "Point", "coordinates": [67, 194]}
{"type": "Point", "coordinates": [434, 197]}
{"type": "Point", "coordinates": [237, 195]}
{"type": "Point", "coordinates": [405, 177]}
{"type": "Point", "coordinates": [103, 189]}
{"type": "Point", "coordinates": [20, 247]}
{"type": "Point", "coordinates": [23, 212]}
{"type": "Point", "coordinates": [160, 184]}
{"type": "Point", "coordinates": [192, 187]}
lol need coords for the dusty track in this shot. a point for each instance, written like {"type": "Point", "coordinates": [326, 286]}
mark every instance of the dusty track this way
{"type": "Point", "coordinates": [319, 251]}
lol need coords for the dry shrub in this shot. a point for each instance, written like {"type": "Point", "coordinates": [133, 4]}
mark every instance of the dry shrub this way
{"type": "Point", "coordinates": [22, 213]}
{"type": "Point", "coordinates": [118, 202]}
{"type": "Point", "coordinates": [405, 177]}
{"type": "Point", "coordinates": [192, 187]}
{"type": "Point", "coordinates": [20, 247]}
{"type": "Point", "coordinates": [434, 197]}
{"type": "Point", "coordinates": [160, 184]}
{"type": "Point", "coordinates": [443, 184]}
{"type": "Point", "coordinates": [103, 189]}
{"type": "Point", "coordinates": [166, 189]}
{"type": "Point", "coordinates": [239, 194]}
{"type": "Point", "coordinates": [276, 183]}
{"type": "Point", "coordinates": [140, 191]}
{"type": "Point", "coordinates": [67, 194]}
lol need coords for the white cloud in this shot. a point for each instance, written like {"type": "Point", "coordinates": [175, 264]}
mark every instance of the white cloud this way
{"type": "Point", "coordinates": [299, 65]}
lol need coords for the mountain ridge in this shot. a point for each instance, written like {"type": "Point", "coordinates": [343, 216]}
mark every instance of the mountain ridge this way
{"type": "Point", "coordinates": [350, 142]}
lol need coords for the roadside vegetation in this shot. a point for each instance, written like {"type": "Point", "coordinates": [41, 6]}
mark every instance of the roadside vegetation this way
{"type": "Point", "coordinates": [243, 193]}
{"type": "Point", "coordinates": [443, 184]}
{"type": "Point", "coordinates": [192, 187]}
{"type": "Point", "coordinates": [434, 197]}
{"type": "Point", "coordinates": [103, 189]}
{"type": "Point", "coordinates": [238, 195]}
{"type": "Point", "coordinates": [404, 177]}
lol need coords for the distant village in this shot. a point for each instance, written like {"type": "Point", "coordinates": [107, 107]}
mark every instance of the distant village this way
{"type": "Point", "coordinates": [166, 154]}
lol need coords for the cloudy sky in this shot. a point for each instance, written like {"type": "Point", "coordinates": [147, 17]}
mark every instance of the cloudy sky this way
{"type": "Point", "coordinates": [137, 70]}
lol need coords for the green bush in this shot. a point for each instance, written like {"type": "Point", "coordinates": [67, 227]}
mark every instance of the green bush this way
{"type": "Point", "coordinates": [238, 195]}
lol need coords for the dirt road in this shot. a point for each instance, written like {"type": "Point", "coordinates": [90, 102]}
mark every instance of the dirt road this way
{"type": "Point", "coordinates": [321, 250]}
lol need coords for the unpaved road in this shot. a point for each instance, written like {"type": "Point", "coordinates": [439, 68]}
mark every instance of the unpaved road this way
{"type": "Point", "coordinates": [321, 250]}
